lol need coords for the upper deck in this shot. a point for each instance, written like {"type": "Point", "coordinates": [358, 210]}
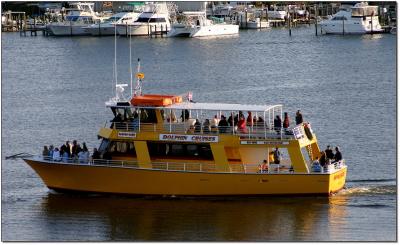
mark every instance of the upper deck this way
{"type": "Point", "coordinates": [168, 114]}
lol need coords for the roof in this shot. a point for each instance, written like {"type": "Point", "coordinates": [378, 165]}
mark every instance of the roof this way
{"type": "Point", "coordinates": [220, 107]}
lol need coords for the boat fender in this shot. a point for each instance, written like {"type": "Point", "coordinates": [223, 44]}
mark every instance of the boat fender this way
{"type": "Point", "coordinates": [307, 130]}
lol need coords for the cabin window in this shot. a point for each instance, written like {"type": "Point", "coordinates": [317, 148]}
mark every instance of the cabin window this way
{"type": "Point", "coordinates": [142, 19]}
{"type": "Point", "coordinates": [148, 116]}
{"type": "Point", "coordinates": [180, 150]}
{"type": "Point", "coordinates": [158, 20]}
{"type": "Point", "coordinates": [339, 18]}
{"type": "Point", "coordinates": [123, 148]}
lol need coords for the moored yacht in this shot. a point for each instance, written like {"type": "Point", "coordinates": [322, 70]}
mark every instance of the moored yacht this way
{"type": "Point", "coordinates": [196, 24]}
{"type": "Point", "coordinates": [154, 19]}
{"type": "Point", "coordinates": [81, 15]}
{"type": "Point", "coordinates": [108, 26]}
{"type": "Point", "coordinates": [359, 19]}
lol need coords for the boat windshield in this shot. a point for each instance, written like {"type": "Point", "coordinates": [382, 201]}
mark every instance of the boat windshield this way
{"type": "Point", "coordinates": [112, 19]}
{"type": "Point", "coordinates": [364, 11]}
{"type": "Point", "coordinates": [151, 20]}
{"type": "Point", "coordinates": [79, 18]}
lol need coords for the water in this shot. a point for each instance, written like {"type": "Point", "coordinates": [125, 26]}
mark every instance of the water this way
{"type": "Point", "coordinates": [53, 89]}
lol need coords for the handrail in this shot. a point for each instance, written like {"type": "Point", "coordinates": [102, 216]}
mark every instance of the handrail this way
{"type": "Point", "coordinates": [184, 167]}
{"type": "Point", "coordinates": [255, 131]}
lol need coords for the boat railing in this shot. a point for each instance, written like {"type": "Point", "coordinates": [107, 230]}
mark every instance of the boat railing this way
{"type": "Point", "coordinates": [255, 131]}
{"type": "Point", "coordinates": [188, 167]}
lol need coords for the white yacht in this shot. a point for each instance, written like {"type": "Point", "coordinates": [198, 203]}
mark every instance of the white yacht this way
{"type": "Point", "coordinates": [79, 16]}
{"type": "Point", "coordinates": [154, 19]}
{"type": "Point", "coordinates": [277, 13]}
{"type": "Point", "coordinates": [196, 24]}
{"type": "Point", "coordinates": [108, 26]}
{"type": "Point", "coordinates": [253, 20]}
{"type": "Point", "coordinates": [359, 19]}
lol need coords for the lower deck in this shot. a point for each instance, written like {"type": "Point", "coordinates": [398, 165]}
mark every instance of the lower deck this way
{"type": "Point", "coordinates": [187, 179]}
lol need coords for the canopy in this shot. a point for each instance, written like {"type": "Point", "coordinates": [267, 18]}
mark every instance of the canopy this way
{"type": "Point", "coordinates": [220, 107]}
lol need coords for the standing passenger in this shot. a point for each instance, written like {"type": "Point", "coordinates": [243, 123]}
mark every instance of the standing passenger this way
{"type": "Point", "coordinates": [286, 121]}
{"type": "Point", "coordinates": [299, 117]}
{"type": "Point", "coordinates": [45, 152]}
{"type": "Point", "coordinates": [329, 153]}
{"type": "Point", "coordinates": [56, 155]}
{"type": "Point", "coordinates": [338, 154]}
{"type": "Point", "coordinates": [223, 125]}
{"type": "Point", "coordinates": [277, 156]}
{"type": "Point", "coordinates": [278, 124]}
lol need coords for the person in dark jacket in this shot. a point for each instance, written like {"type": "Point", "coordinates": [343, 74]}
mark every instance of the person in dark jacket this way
{"type": "Point", "coordinates": [286, 121]}
{"type": "Point", "coordinates": [223, 124]}
{"type": "Point", "coordinates": [278, 123]}
{"type": "Point", "coordinates": [299, 117]}
{"type": "Point", "coordinates": [338, 154]}
{"type": "Point", "coordinates": [329, 152]}
{"type": "Point", "coordinates": [322, 159]}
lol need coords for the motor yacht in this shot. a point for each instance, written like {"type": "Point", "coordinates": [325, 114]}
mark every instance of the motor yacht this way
{"type": "Point", "coordinates": [196, 24]}
{"type": "Point", "coordinates": [108, 26]}
{"type": "Point", "coordinates": [80, 15]}
{"type": "Point", "coordinates": [154, 19]}
{"type": "Point", "coordinates": [359, 19]}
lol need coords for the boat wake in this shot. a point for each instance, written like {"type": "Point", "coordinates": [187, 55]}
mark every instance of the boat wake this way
{"type": "Point", "coordinates": [370, 180]}
{"type": "Point", "coordinates": [369, 190]}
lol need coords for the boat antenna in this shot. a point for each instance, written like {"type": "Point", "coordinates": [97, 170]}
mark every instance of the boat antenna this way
{"type": "Point", "coordinates": [130, 60]}
{"type": "Point", "coordinates": [115, 56]}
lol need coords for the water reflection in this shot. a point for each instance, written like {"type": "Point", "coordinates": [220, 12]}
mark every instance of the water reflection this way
{"type": "Point", "coordinates": [219, 219]}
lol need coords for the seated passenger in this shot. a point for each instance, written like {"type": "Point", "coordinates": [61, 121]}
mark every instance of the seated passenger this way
{"type": "Point", "coordinates": [277, 156]}
{"type": "Point", "coordinates": [223, 125]}
{"type": "Point", "coordinates": [214, 122]}
{"type": "Point", "coordinates": [242, 125]}
{"type": "Point", "coordinates": [51, 150]}
{"type": "Point", "coordinates": [56, 155]}
{"type": "Point", "coordinates": [316, 166]}
{"type": "Point", "coordinates": [263, 167]}
{"type": "Point", "coordinates": [197, 126]}
{"type": "Point", "coordinates": [206, 126]}
{"type": "Point", "coordinates": [190, 130]}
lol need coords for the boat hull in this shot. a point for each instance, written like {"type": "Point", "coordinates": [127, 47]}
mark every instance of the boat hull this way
{"type": "Point", "coordinates": [215, 30]}
{"type": "Point", "coordinates": [142, 29]}
{"type": "Point", "coordinates": [125, 180]}
{"type": "Point", "coordinates": [100, 31]}
{"type": "Point", "coordinates": [61, 29]}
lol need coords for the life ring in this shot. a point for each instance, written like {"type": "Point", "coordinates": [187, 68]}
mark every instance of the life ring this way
{"type": "Point", "coordinates": [308, 132]}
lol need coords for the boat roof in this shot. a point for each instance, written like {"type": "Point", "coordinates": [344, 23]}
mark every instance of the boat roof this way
{"type": "Point", "coordinates": [219, 107]}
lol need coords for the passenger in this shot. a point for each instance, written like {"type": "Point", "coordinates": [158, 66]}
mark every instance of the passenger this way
{"type": "Point", "coordinates": [277, 124]}
{"type": "Point", "coordinates": [51, 150]}
{"type": "Point", "coordinates": [260, 119]}
{"type": "Point", "coordinates": [56, 155]}
{"type": "Point", "coordinates": [214, 123]}
{"type": "Point", "coordinates": [271, 156]}
{"type": "Point", "coordinates": [277, 156]}
{"type": "Point", "coordinates": [231, 120]}
{"type": "Point", "coordinates": [68, 147]}
{"type": "Point", "coordinates": [191, 129]}
{"type": "Point", "coordinates": [299, 117]}
{"type": "Point", "coordinates": [263, 167]}
{"type": "Point", "coordinates": [322, 159]}
{"type": "Point", "coordinates": [286, 121]}
{"type": "Point", "coordinates": [223, 125]}
{"type": "Point", "coordinates": [83, 155]}
{"type": "Point", "coordinates": [338, 154]}
{"type": "Point", "coordinates": [45, 152]}
{"type": "Point", "coordinates": [206, 126]}
{"type": "Point", "coordinates": [329, 153]}
{"type": "Point", "coordinates": [316, 166]}
{"type": "Point", "coordinates": [197, 126]}
{"type": "Point", "coordinates": [250, 121]}
{"type": "Point", "coordinates": [96, 154]}
{"type": "Point", "coordinates": [65, 155]}
{"type": "Point", "coordinates": [242, 125]}
{"type": "Point", "coordinates": [74, 149]}
{"type": "Point", "coordinates": [185, 115]}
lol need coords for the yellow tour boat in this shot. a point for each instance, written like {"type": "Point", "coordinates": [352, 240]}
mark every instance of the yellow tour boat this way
{"type": "Point", "coordinates": [169, 145]}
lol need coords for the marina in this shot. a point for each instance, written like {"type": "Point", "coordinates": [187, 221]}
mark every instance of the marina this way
{"type": "Point", "coordinates": [329, 78]}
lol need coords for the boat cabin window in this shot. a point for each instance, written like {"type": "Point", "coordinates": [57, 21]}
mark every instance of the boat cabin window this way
{"type": "Point", "coordinates": [103, 145]}
{"type": "Point", "coordinates": [148, 116]}
{"type": "Point", "coordinates": [119, 148]}
{"type": "Point", "coordinates": [364, 11]}
{"type": "Point", "coordinates": [151, 20]}
{"type": "Point", "coordinates": [180, 151]}
{"type": "Point", "coordinates": [339, 18]}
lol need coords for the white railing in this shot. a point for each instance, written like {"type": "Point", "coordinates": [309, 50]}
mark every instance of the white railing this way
{"type": "Point", "coordinates": [257, 131]}
{"type": "Point", "coordinates": [188, 167]}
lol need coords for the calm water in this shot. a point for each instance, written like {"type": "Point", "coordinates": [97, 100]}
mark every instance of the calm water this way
{"type": "Point", "coordinates": [53, 89]}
